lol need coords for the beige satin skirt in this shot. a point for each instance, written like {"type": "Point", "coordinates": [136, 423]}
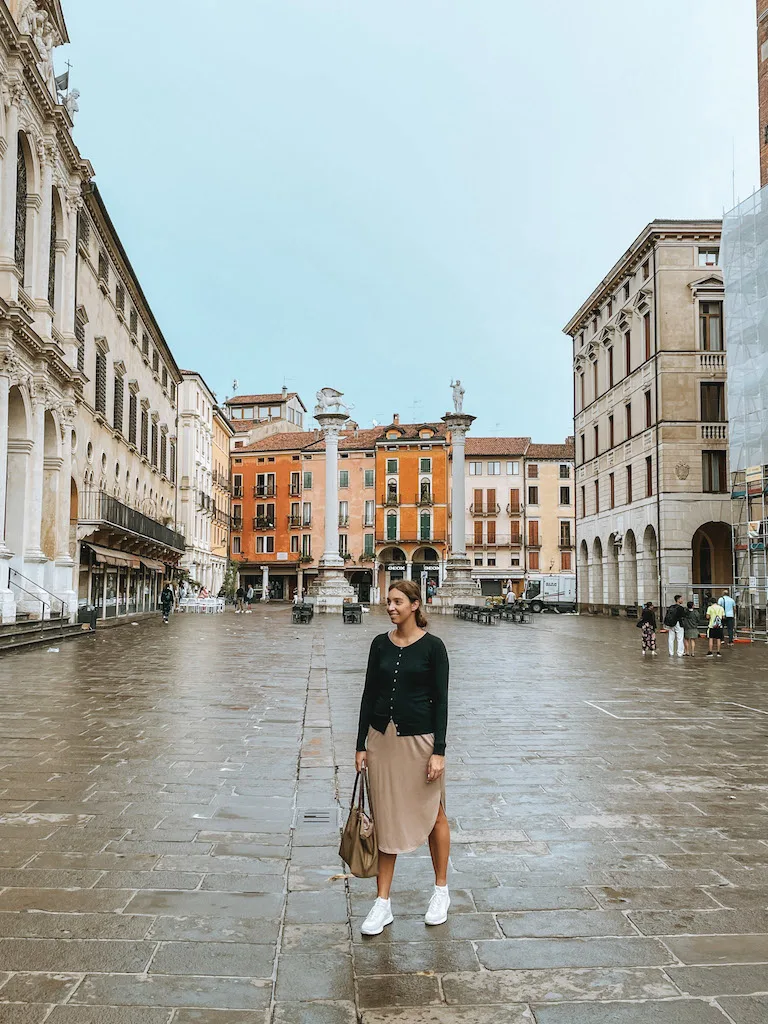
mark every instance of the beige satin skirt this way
{"type": "Point", "coordinates": [405, 805]}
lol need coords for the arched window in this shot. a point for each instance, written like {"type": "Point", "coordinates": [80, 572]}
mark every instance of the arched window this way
{"type": "Point", "coordinates": [52, 256]}
{"type": "Point", "coordinates": [20, 250]}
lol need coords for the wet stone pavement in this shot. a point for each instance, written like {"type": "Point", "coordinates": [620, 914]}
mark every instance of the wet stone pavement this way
{"type": "Point", "coordinates": [169, 812]}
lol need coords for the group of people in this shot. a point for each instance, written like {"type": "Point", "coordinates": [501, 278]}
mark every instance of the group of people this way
{"type": "Point", "coordinates": [684, 626]}
{"type": "Point", "coordinates": [244, 600]}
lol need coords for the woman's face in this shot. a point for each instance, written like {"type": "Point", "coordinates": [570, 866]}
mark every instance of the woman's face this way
{"type": "Point", "coordinates": [399, 607]}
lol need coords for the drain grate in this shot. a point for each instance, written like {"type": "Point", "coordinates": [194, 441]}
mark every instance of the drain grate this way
{"type": "Point", "coordinates": [319, 816]}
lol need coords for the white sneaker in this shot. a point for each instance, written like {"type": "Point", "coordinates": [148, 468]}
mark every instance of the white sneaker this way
{"type": "Point", "coordinates": [378, 919]}
{"type": "Point", "coordinates": [437, 911]}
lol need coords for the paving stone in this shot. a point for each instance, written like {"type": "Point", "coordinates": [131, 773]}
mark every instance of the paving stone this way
{"type": "Point", "coordinates": [710, 922]}
{"type": "Point", "coordinates": [53, 901]}
{"type": "Point", "coordinates": [505, 898]}
{"type": "Point", "coordinates": [458, 926]}
{"type": "Point", "coordinates": [715, 981]}
{"type": "Point", "coordinates": [38, 988]}
{"type": "Point", "coordinates": [79, 955]}
{"type": "Point", "coordinates": [315, 1013]}
{"type": "Point", "coordinates": [221, 1017]}
{"type": "Point", "coordinates": [254, 930]}
{"type": "Point", "coordinates": [720, 949]}
{"type": "Point", "coordinates": [557, 985]}
{"type": "Point", "coordinates": [676, 1011]}
{"type": "Point", "coordinates": [516, 954]}
{"type": "Point", "coordinates": [18, 1013]}
{"type": "Point", "coordinates": [304, 977]}
{"type": "Point", "coordinates": [746, 1010]}
{"type": "Point", "coordinates": [149, 880]}
{"type": "Point", "coordinates": [407, 990]}
{"type": "Point", "coordinates": [201, 904]}
{"type": "Point", "coordinates": [238, 960]}
{"type": "Point", "coordinates": [316, 907]}
{"type": "Point", "coordinates": [300, 938]}
{"type": "Point", "coordinates": [655, 899]}
{"type": "Point", "coordinates": [554, 923]}
{"type": "Point", "coordinates": [450, 1015]}
{"type": "Point", "coordinates": [172, 990]}
{"type": "Point", "coordinates": [108, 1015]}
{"type": "Point", "coordinates": [401, 958]}
{"type": "Point", "coordinates": [73, 926]}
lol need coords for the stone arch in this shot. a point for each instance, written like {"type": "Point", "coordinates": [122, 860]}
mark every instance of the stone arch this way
{"type": "Point", "coordinates": [56, 267]}
{"type": "Point", "coordinates": [612, 570]}
{"type": "Point", "coordinates": [597, 594]}
{"type": "Point", "coordinates": [26, 190]}
{"type": "Point", "coordinates": [648, 569]}
{"type": "Point", "coordinates": [583, 573]}
{"type": "Point", "coordinates": [19, 451]}
{"type": "Point", "coordinates": [629, 551]}
{"type": "Point", "coordinates": [712, 555]}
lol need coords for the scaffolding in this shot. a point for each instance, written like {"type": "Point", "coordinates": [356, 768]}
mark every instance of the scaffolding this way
{"type": "Point", "coordinates": [744, 258]}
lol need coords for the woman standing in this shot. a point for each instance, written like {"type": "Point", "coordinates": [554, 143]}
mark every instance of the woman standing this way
{"type": "Point", "coordinates": [648, 628]}
{"type": "Point", "coordinates": [401, 740]}
{"type": "Point", "coordinates": [690, 624]}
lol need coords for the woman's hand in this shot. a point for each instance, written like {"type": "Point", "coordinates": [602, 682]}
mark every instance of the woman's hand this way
{"type": "Point", "coordinates": [361, 760]}
{"type": "Point", "coordinates": [435, 767]}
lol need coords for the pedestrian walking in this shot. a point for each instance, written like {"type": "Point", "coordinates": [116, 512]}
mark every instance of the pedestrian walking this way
{"type": "Point", "coordinates": [401, 743]}
{"type": "Point", "coordinates": [728, 605]}
{"type": "Point", "coordinates": [647, 624]}
{"type": "Point", "coordinates": [714, 629]}
{"type": "Point", "coordinates": [690, 629]}
{"type": "Point", "coordinates": [673, 620]}
{"type": "Point", "coordinates": [510, 598]}
{"type": "Point", "coordinates": [239, 598]}
{"type": "Point", "coordinates": [248, 600]}
{"type": "Point", "coordinates": [166, 600]}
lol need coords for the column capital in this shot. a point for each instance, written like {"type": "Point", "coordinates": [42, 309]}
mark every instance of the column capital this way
{"type": "Point", "coordinates": [12, 91]}
{"type": "Point", "coordinates": [458, 423]}
{"type": "Point", "coordinates": [332, 423]}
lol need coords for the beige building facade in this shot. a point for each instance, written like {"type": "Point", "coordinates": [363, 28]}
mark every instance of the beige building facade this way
{"type": "Point", "coordinates": [222, 497]}
{"type": "Point", "coordinates": [255, 417]}
{"type": "Point", "coordinates": [651, 430]}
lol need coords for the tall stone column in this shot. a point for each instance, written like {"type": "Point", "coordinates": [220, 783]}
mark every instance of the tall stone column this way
{"type": "Point", "coordinates": [65, 563]}
{"type": "Point", "coordinates": [265, 583]}
{"type": "Point", "coordinates": [9, 283]}
{"type": "Point", "coordinates": [47, 154]}
{"type": "Point", "coordinates": [7, 602]}
{"type": "Point", "coordinates": [330, 589]}
{"type": "Point", "coordinates": [33, 554]}
{"type": "Point", "coordinates": [68, 296]}
{"type": "Point", "coordinates": [458, 587]}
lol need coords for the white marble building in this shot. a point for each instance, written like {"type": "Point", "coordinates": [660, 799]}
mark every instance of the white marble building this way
{"type": "Point", "coordinates": [196, 502]}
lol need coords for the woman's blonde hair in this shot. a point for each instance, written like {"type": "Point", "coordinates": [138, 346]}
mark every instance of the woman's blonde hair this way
{"type": "Point", "coordinates": [413, 592]}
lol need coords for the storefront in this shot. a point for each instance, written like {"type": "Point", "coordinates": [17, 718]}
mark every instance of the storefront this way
{"type": "Point", "coordinates": [117, 583]}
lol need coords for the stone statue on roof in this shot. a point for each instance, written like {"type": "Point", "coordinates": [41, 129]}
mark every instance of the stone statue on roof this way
{"type": "Point", "coordinates": [458, 395]}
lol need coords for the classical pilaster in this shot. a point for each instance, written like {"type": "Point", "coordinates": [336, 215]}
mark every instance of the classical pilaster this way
{"type": "Point", "coordinates": [32, 552]}
{"type": "Point", "coordinates": [457, 587]}
{"type": "Point", "coordinates": [12, 92]}
{"type": "Point", "coordinates": [46, 150]}
{"type": "Point", "coordinates": [7, 603]}
{"type": "Point", "coordinates": [68, 296]}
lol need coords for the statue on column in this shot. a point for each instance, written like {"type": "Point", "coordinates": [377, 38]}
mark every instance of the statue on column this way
{"type": "Point", "coordinates": [458, 395]}
{"type": "Point", "coordinates": [329, 400]}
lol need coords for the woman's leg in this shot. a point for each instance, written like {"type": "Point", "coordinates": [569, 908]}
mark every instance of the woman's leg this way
{"type": "Point", "coordinates": [385, 875]}
{"type": "Point", "coordinates": [440, 847]}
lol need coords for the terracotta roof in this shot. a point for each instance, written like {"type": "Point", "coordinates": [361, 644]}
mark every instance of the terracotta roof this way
{"type": "Point", "coordinates": [311, 440]}
{"type": "Point", "coordinates": [497, 445]}
{"type": "Point", "coordinates": [261, 399]}
{"type": "Point", "coordinates": [551, 451]}
{"type": "Point", "coordinates": [410, 431]}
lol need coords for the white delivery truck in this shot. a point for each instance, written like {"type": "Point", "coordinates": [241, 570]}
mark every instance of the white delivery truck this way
{"type": "Point", "coordinates": [551, 592]}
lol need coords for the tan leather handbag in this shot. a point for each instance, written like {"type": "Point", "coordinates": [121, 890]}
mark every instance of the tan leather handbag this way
{"type": "Point", "coordinates": [359, 848]}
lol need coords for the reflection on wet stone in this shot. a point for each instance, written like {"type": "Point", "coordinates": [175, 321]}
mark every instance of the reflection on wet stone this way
{"type": "Point", "coordinates": [609, 866]}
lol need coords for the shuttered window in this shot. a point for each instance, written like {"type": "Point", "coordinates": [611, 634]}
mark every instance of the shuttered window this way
{"type": "Point", "coordinates": [144, 433]}
{"type": "Point", "coordinates": [132, 408]}
{"type": "Point", "coordinates": [117, 420]}
{"type": "Point", "coordinates": [101, 382]}
{"type": "Point", "coordinates": [173, 462]}
{"type": "Point", "coordinates": [164, 455]}
{"type": "Point", "coordinates": [120, 297]}
{"type": "Point", "coordinates": [153, 458]}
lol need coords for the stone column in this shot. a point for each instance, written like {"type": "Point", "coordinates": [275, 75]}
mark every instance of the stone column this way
{"type": "Point", "coordinates": [32, 551]}
{"type": "Point", "coordinates": [65, 563]}
{"type": "Point", "coordinates": [330, 589]}
{"type": "Point", "coordinates": [265, 583]}
{"type": "Point", "coordinates": [409, 571]}
{"type": "Point", "coordinates": [7, 602]}
{"type": "Point", "coordinates": [68, 296]}
{"type": "Point", "coordinates": [9, 282]}
{"type": "Point", "coordinates": [47, 154]}
{"type": "Point", "coordinates": [457, 587]}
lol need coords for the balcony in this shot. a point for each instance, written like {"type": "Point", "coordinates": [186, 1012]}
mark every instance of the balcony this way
{"type": "Point", "coordinates": [294, 522]}
{"type": "Point", "coordinates": [390, 500]}
{"type": "Point", "coordinates": [343, 522]}
{"type": "Point", "coordinates": [501, 540]}
{"type": "Point", "coordinates": [424, 499]}
{"type": "Point", "coordinates": [710, 361]}
{"type": "Point", "coordinates": [264, 491]}
{"type": "Point", "coordinates": [263, 523]}
{"type": "Point", "coordinates": [237, 523]}
{"type": "Point", "coordinates": [484, 510]}
{"type": "Point", "coordinates": [295, 491]}
{"type": "Point", "coordinates": [514, 510]}
{"type": "Point", "coordinates": [566, 543]}
{"type": "Point", "coordinates": [535, 541]}
{"type": "Point", "coordinates": [714, 431]}
{"type": "Point", "coordinates": [204, 501]}
{"type": "Point", "coordinates": [100, 507]}
{"type": "Point", "coordinates": [237, 492]}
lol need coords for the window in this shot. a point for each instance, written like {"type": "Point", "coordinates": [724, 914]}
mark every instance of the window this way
{"type": "Point", "coordinates": [368, 478]}
{"type": "Point", "coordinates": [392, 526]}
{"type": "Point", "coordinates": [713, 475]}
{"type": "Point", "coordinates": [610, 308]}
{"type": "Point", "coordinates": [306, 513]}
{"type": "Point", "coordinates": [713, 403]}
{"type": "Point", "coordinates": [237, 485]}
{"type": "Point", "coordinates": [144, 433]}
{"type": "Point", "coordinates": [368, 543]}
{"type": "Point", "coordinates": [565, 534]}
{"type": "Point", "coordinates": [533, 560]}
{"type": "Point", "coordinates": [478, 560]}
{"type": "Point", "coordinates": [533, 470]}
{"type": "Point", "coordinates": [627, 353]}
{"type": "Point", "coordinates": [80, 336]}
{"type": "Point", "coordinates": [343, 544]}
{"type": "Point", "coordinates": [494, 469]}
{"type": "Point", "coordinates": [513, 469]}
{"type": "Point", "coordinates": [595, 385]}
{"type": "Point", "coordinates": [594, 325]}
{"type": "Point", "coordinates": [478, 526]}
{"type": "Point", "coordinates": [565, 495]}
{"type": "Point", "coordinates": [307, 481]}
{"type": "Point", "coordinates": [583, 441]}
{"type": "Point", "coordinates": [533, 533]}
{"type": "Point", "coordinates": [154, 452]}
{"type": "Point", "coordinates": [533, 495]}
{"type": "Point", "coordinates": [581, 391]}
{"type": "Point", "coordinates": [475, 469]}
{"type": "Point", "coordinates": [491, 560]}
{"type": "Point", "coordinates": [647, 334]}
{"type": "Point", "coordinates": [491, 527]}
{"type": "Point", "coordinates": [295, 483]}
{"type": "Point", "coordinates": [514, 501]}
{"type": "Point", "coordinates": [597, 497]}
{"type": "Point", "coordinates": [343, 513]}
{"type": "Point", "coordinates": [295, 543]}
{"type": "Point", "coordinates": [583, 502]}
{"type": "Point", "coordinates": [369, 513]}
{"type": "Point", "coordinates": [629, 485]}
{"type": "Point", "coordinates": [145, 345]}
{"type": "Point", "coordinates": [646, 270]}
{"type": "Point", "coordinates": [120, 297]}
{"type": "Point", "coordinates": [236, 550]}
{"type": "Point", "coordinates": [611, 440]}
{"type": "Point", "coordinates": [610, 367]}
{"type": "Point", "coordinates": [649, 476]}
{"type": "Point", "coordinates": [628, 418]}
{"type": "Point", "coordinates": [710, 326]}
{"type": "Point", "coordinates": [165, 377]}
{"type": "Point", "coordinates": [103, 268]}
{"type": "Point", "coordinates": [117, 418]}
{"type": "Point", "coordinates": [596, 432]}
{"type": "Point", "coordinates": [343, 478]}
{"type": "Point", "coordinates": [172, 461]}
{"type": "Point", "coordinates": [425, 465]}
{"type": "Point", "coordinates": [648, 415]}
{"type": "Point", "coordinates": [156, 362]}
{"type": "Point", "coordinates": [565, 561]}
{"type": "Point", "coordinates": [306, 545]}
{"type": "Point", "coordinates": [709, 257]}
{"type": "Point", "coordinates": [134, 320]}
{"type": "Point", "coordinates": [100, 399]}
{"type": "Point", "coordinates": [626, 290]}
{"type": "Point", "coordinates": [164, 454]}
{"type": "Point", "coordinates": [392, 465]}
{"type": "Point", "coordinates": [425, 526]}
{"type": "Point", "coordinates": [612, 490]}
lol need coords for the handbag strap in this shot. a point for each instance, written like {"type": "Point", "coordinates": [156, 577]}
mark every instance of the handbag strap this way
{"type": "Point", "coordinates": [366, 786]}
{"type": "Point", "coordinates": [354, 791]}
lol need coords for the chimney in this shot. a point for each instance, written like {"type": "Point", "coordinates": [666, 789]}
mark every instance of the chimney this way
{"type": "Point", "coordinates": [285, 391]}
{"type": "Point", "coordinates": [396, 419]}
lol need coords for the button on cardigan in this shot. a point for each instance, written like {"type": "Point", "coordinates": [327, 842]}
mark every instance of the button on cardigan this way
{"type": "Point", "coordinates": [407, 686]}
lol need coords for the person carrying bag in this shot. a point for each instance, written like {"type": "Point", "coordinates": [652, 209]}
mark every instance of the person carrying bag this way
{"type": "Point", "coordinates": [359, 849]}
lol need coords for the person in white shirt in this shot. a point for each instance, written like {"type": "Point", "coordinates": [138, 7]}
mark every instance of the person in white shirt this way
{"type": "Point", "coordinates": [728, 605]}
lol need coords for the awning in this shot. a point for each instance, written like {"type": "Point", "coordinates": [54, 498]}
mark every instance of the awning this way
{"type": "Point", "coordinates": [109, 556]}
{"type": "Point", "coordinates": [152, 563]}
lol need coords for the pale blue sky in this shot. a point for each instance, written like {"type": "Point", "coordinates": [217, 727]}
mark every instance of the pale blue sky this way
{"type": "Point", "coordinates": [378, 194]}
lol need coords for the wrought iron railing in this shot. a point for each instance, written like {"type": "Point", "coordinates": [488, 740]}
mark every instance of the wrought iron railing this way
{"type": "Point", "coordinates": [100, 507]}
{"type": "Point", "coordinates": [33, 599]}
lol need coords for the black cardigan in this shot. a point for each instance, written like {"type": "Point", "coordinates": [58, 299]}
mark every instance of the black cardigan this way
{"type": "Point", "coordinates": [407, 686]}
